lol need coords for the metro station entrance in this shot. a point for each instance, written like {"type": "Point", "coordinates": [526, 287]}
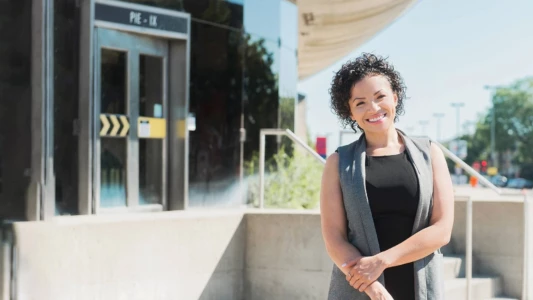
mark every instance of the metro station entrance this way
{"type": "Point", "coordinates": [131, 92]}
{"type": "Point", "coordinates": [140, 105]}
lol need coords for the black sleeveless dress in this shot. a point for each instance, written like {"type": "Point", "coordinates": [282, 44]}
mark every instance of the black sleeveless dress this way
{"type": "Point", "coordinates": [393, 195]}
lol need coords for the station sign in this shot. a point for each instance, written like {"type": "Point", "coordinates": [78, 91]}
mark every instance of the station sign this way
{"type": "Point", "coordinates": [140, 17]}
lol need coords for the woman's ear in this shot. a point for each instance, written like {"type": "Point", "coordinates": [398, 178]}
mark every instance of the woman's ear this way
{"type": "Point", "coordinates": [350, 110]}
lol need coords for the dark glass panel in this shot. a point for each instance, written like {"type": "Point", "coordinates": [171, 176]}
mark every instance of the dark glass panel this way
{"type": "Point", "coordinates": [215, 99]}
{"type": "Point", "coordinates": [15, 107]}
{"type": "Point", "coordinates": [66, 71]}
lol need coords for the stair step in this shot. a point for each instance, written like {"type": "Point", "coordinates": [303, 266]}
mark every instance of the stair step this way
{"type": "Point", "coordinates": [454, 266]}
{"type": "Point", "coordinates": [482, 288]}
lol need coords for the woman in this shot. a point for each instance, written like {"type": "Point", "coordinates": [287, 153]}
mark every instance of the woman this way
{"type": "Point", "coordinates": [387, 199]}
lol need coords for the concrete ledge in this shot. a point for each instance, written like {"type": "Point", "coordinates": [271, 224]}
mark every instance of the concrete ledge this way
{"type": "Point", "coordinates": [151, 256]}
{"type": "Point", "coordinates": [222, 254]}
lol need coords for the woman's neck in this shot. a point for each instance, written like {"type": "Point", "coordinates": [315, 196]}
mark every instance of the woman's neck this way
{"type": "Point", "coordinates": [386, 139]}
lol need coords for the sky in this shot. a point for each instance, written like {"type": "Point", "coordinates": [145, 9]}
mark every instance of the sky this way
{"type": "Point", "coordinates": [446, 51]}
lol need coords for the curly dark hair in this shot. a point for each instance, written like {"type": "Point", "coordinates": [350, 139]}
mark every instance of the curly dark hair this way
{"type": "Point", "coordinates": [351, 73]}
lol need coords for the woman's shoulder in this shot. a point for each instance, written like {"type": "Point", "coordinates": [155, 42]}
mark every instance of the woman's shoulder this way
{"type": "Point", "coordinates": [333, 159]}
{"type": "Point", "coordinates": [423, 142]}
{"type": "Point", "coordinates": [347, 148]}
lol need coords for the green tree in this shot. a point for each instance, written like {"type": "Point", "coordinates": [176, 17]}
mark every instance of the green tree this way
{"type": "Point", "coordinates": [513, 111]}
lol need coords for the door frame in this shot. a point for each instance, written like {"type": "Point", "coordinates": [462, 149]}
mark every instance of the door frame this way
{"type": "Point", "coordinates": [133, 46]}
{"type": "Point", "coordinates": [177, 34]}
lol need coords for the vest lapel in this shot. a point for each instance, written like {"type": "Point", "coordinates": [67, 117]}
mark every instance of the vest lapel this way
{"type": "Point", "coordinates": [359, 180]}
{"type": "Point", "coordinates": [425, 182]}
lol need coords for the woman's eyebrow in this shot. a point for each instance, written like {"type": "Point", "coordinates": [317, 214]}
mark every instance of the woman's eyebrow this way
{"type": "Point", "coordinates": [363, 98]}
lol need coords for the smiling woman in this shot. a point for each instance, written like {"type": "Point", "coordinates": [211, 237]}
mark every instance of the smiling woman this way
{"type": "Point", "coordinates": [387, 199]}
{"type": "Point", "coordinates": [354, 71]}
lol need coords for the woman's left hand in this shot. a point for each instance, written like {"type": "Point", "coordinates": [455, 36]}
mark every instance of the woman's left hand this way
{"type": "Point", "coordinates": [364, 271]}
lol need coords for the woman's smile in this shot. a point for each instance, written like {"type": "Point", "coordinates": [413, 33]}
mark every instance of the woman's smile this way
{"type": "Point", "coordinates": [377, 119]}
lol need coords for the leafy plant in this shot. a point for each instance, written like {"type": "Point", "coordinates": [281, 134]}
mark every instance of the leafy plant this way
{"type": "Point", "coordinates": [290, 181]}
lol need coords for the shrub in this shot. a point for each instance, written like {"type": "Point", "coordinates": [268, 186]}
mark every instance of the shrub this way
{"type": "Point", "coordinates": [290, 181]}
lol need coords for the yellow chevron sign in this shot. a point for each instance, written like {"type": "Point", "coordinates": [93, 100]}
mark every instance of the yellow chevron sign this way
{"type": "Point", "coordinates": [114, 125]}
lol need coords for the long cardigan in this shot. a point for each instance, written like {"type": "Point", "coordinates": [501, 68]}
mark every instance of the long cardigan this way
{"type": "Point", "coordinates": [361, 230]}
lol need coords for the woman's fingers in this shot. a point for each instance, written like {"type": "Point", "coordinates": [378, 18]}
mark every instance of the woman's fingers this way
{"type": "Point", "coordinates": [363, 287]}
{"type": "Point", "coordinates": [357, 283]}
{"type": "Point", "coordinates": [353, 279]}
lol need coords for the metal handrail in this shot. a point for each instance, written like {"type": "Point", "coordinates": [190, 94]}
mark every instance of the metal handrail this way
{"type": "Point", "coordinates": [468, 168]}
{"type": "Point", "coordinates": [469, 204]}
{"type": "Point", "coordinates": [262, 141]}
{"type": "Point", "coordinates": [469, 225]}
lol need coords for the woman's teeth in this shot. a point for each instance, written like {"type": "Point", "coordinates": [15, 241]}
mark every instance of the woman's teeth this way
{"type": "Point", "coordinates": [377, 118]}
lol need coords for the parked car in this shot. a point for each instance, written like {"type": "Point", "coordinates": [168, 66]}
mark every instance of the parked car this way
{"type": "Point", "coordinates": [519, 183]}
{"type": "Point", "coordinates": [499, 180]}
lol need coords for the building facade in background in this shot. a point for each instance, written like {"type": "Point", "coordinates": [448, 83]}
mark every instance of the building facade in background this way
{"type": "Point", "coordinates": [141, 105]}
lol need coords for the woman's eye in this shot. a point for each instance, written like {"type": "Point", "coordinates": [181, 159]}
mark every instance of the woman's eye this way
{"type": "Point", "coordinates": [381, 96]}
{"type": "Point", "coordinates": [359, 104]}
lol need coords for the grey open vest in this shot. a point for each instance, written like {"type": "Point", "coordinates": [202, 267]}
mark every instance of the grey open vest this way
{"type": "Point", "coordinates": [361, 230]}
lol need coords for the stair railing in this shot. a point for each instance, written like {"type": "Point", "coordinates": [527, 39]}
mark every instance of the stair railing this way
{"type": "Point", "coordinates": [262, 142]}
{"type": "Point", "coordinates": [469, 206]}
{"type": "Point", "coordinates": [469, 213]}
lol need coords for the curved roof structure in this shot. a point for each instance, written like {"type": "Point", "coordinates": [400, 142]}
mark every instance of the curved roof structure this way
{"type": "Point", "coordinates": [330, 29]}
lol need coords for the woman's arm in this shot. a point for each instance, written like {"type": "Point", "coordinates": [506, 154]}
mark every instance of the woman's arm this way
{"type": "Point", "coordinates": [421, 244]}
{"type": "Point", "coordinates": [334, 223]}
{"type": "Point", "coordinates": [333, 216]}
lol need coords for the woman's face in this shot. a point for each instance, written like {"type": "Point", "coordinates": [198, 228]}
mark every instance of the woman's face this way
{"type": "Point", "coordinates": [373, 104]}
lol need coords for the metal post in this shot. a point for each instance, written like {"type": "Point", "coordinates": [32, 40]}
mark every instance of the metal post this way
{"type": "Point", "coordinates": [492, 125]}
{"type": "Point", "coordinates": [423, 124]}
{"type": "Point", "coordinates": [469, 249]}
{"type": "Point", "coordinates": [525, 263]}
{"type": "Point", "coordinates": [278, 132]}
{"type": "Point", "coordinates": [262, 170]}
{"type": "Point", "coordinates": [242, 131]}
{"type": "Point", "coordinates": [438, 116]}
{"type": "Point", "coordinates": [6, 244]}
{"type": "Point", "coordinates": [493, 137]}
{"type": "Point", "coordinates": [41, 192]}
{"type": "Point", "coordinates": [458, 106]}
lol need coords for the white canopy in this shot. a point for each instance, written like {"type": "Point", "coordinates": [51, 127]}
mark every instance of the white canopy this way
{"type": "Point", "coordinates": [330, 29]}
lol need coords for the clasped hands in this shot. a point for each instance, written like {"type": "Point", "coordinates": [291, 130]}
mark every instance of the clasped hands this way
{"type": "Point", "coordinates": [364, 271]}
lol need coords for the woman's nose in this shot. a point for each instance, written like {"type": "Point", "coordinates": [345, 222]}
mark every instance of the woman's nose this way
{"type": "Point", "coordinates": [374, 107]}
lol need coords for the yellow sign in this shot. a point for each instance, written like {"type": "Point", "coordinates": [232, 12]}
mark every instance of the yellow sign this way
{"type": "Point", "coordinates": [151, 128]}
{"type": "Point", "coordinates": [492, 171]}
{"type": "Point", "coordinates": [114, 125]}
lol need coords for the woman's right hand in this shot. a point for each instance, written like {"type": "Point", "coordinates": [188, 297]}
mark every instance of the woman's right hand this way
{"type": "Point", "coordinates": [376, 291]}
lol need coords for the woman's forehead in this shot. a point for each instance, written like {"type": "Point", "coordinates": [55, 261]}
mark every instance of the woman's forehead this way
{"type": "Point", "coordinates": [371, 84]}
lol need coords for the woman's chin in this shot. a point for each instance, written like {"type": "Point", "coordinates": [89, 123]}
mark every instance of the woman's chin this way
{"type": "Point", "coordinates": [377, 128]}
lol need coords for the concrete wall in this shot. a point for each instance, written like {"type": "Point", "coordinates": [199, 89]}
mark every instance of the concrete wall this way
{"type": "Point", "coordinates": [286, 257]}
{"type": "Point", "coordinates": [222, 255]}
{"type": "Point", "coordinates": [152, 256]}
{"type": "Point", "coordinates": [175, 255]}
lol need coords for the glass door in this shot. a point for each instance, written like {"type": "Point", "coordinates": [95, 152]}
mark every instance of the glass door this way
{"type": "Point", "coordinates": [131, 101]}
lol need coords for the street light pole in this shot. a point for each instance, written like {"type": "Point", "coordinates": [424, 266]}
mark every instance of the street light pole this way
{"type": "Point", "coordinates": [458, 106]}
{"type": "Point", "coordinates": [438, 116]}
{"type": "Point", "coordinates": [423, 124]}
{"type": "Point", "coordinates": [492, 126]}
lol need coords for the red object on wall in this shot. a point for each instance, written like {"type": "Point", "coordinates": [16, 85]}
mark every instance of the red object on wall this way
{"type": "Point", "coordinates": [476, 166]}
{"type": "Point", "coordinates": [321, 146]}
